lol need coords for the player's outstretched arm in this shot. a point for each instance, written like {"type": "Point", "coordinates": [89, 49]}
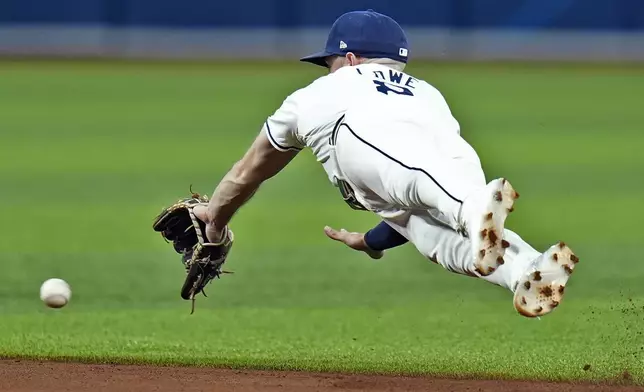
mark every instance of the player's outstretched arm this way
{"type": "Point", "coordinates": [261, 162]}
{"type": "Point", "coordinates": [373, 243]}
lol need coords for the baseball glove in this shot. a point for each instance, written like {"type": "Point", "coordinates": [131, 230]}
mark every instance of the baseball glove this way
{"type": "Point", "coordinates": [202, 259]}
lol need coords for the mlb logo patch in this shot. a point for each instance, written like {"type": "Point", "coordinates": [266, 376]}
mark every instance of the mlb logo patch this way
{"type": "Point", "coordinates": [402, 52]}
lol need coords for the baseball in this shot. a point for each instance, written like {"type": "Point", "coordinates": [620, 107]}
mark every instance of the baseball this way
{"type": "Point", "coordinates": [55, 293]}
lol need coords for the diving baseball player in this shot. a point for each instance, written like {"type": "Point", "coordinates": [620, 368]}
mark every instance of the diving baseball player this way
{"type": "Point", "coordinates": [389, 142]}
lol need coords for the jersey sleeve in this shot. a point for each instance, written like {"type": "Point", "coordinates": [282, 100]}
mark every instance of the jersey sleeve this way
{"type": "Point", "coordinates": [281, 127]}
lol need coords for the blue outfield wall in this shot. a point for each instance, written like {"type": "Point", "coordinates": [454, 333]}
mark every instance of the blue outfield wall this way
{"type": "Point", "coordinates": [621, 15]}
{"type": "Point", "coordinates": [460, 29]}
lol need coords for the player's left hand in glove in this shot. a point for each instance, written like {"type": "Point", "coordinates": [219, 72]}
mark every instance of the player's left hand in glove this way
{"type": "Point", "coordinates": [203, 259]}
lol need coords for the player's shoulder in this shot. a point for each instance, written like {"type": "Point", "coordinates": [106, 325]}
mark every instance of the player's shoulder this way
{"type": "Point", "coordinates": [428, 87]}
{"type": "Point", "coordinates": [331, 79]}
{"type": "Point", "coordinates": [316, 89]}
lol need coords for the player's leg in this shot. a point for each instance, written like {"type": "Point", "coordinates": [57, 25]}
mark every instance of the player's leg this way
{"type": "Point", "coordinates": [422, 170]}
{"type": "Point", "coordinates": [537, 280]}
{"type": "Point", "coordinates": [442, 245]}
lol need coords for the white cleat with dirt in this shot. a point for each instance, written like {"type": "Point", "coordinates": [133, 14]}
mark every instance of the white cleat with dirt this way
{"type": "Point", "coordinates": [485, 223]}
{"type": "Point", "coordinates": [541, 288]}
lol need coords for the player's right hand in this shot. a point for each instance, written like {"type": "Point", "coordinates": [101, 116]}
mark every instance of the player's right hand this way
{"type": "Point", "coordinates": [353, 240]}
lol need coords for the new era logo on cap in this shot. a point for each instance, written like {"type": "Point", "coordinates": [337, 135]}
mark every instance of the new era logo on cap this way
{"type": "Point", "coordinates": [343, 45]}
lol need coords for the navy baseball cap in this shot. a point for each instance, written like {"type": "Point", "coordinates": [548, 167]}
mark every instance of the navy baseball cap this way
{"type": "Point", "coordinates": [365, 33]}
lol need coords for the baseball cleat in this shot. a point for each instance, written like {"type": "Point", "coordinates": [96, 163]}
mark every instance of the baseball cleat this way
{"type": "Point", "coordinates": [486, 225]}
{"type": "Point", "coordinates": [542, 287]}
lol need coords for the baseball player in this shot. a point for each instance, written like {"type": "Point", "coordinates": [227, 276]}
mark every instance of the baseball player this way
{"type": "Point", "coordinates": [389, 142]}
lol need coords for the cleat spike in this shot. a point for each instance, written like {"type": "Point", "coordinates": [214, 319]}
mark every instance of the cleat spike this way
{"type": "Point", "coordinates": [493, 236]}
{"type": "Point", "coordinates": [546, 291]}
{"type": "Point", "coordinates": [505, 244]}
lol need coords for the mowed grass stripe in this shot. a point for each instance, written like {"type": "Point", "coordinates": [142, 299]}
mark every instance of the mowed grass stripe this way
{"type": "Point", "coordinates": [90, 152]}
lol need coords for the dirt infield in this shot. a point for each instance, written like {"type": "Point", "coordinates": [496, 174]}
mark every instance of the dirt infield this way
{"type": "Point", "coordinates": [27, 376]}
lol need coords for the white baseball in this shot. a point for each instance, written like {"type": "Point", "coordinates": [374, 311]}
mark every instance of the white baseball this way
{"type": "Point", "coordinates": [55, 293]}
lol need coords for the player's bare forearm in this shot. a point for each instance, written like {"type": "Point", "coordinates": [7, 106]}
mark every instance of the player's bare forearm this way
{"type": "Point", "coordinates": [235, 189]}
{"type": "Point", "coordinates": [261, 162]}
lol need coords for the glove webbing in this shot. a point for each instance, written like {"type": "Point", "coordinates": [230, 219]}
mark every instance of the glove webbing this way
{"type": "Point", "coordinates": [200, 243]}
{"type": "Point", "coordinates": [195, 224]}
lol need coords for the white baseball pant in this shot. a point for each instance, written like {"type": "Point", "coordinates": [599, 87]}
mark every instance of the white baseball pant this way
{"type": "Point", "coordinates": [417, 181]}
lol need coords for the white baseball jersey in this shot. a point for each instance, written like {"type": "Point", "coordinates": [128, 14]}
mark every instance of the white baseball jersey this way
{"type": "Point", "coordinates": [394, 140]}
{"type": "Point", "coordinates": [370, 92]}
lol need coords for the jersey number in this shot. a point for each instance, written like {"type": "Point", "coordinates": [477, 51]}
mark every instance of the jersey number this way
{"type": "Point", "coordinates": [386, 88]}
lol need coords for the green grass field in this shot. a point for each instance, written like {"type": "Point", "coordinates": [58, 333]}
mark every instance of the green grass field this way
{"type": "Point", "coordinates": [90, 153]}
